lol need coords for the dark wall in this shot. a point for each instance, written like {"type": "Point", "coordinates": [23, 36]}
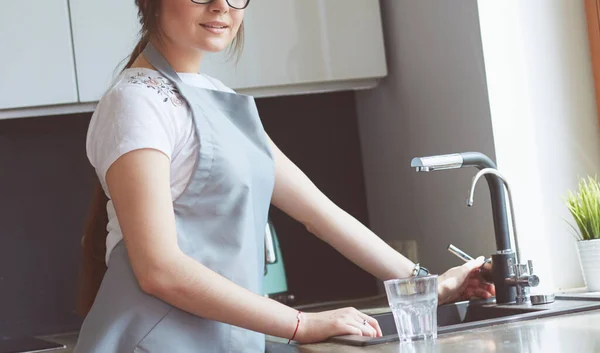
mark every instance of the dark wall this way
{"type": "Point", "coordinates": [46, 185]}
{"type": "Point", "coordinates": [319, 134]}
{"type": "Point", "coordinates": [45, 189]}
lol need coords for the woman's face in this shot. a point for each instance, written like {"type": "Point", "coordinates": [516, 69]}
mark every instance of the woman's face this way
{"type": "Point", "coordinates": [208, 27]}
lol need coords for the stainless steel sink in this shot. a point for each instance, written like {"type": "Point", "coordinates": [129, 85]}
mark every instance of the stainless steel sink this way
{"type": "Point", "coordinates": [470, 315]}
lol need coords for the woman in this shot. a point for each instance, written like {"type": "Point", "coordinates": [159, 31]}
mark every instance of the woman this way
{"type": "Point", "coordinates": [189, 174]}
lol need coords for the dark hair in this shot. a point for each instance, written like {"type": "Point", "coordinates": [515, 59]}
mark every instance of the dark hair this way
{"type": "Point", "coordinates": [93, 265]}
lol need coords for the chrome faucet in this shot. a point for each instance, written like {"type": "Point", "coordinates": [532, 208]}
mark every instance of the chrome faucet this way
{"type": "Point", "coordinates": [481, 161]}
{"type": "Point", "coordinates": [520, 276]}
{"type": "Point", "coordinates": [500, 271]}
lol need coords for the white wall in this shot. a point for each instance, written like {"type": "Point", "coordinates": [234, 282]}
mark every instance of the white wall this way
{"type": "Point", "coordinates": [433, 102]}
{"type": "Point", "coordinates": [544, 118]}
{"type": "Point", "coordinates": [508, 78]}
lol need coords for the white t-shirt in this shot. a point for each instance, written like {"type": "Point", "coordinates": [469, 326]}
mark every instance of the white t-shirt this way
{"type": "Point", "coordinates": [142, 109]}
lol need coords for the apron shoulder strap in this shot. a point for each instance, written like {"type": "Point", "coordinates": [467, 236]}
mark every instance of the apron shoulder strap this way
{"type": "Point", "coordinates": [156, 59]}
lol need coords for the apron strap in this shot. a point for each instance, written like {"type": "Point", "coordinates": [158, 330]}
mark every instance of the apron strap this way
{"type": "Point", "coordinates": [161, 64]}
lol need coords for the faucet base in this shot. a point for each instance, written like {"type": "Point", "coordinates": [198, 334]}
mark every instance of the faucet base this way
{"type": "Point", "coordinates": [537, 299]}
{"type": "Point", "coordinates": [523, 296]}
{"type": "Point", "coordinates": [505, 293]}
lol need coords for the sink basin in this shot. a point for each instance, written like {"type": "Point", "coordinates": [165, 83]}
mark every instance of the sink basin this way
{"type": "Point", "coordinates": [475, 314]}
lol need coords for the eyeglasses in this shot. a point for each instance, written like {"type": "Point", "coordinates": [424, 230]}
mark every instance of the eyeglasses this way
{"type": "Point", "coordinates": [235, 4]}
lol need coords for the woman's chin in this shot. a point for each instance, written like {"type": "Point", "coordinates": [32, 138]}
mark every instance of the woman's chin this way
{"type": "Point", "coordinates": [214, 46]}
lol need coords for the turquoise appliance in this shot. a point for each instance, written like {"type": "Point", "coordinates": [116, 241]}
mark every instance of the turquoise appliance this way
{"type": "Point", "coordinates": [275, 281]}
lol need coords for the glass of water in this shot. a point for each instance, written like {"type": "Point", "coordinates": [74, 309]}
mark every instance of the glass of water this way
{"type": "Point", "coordinates": [414, 304]}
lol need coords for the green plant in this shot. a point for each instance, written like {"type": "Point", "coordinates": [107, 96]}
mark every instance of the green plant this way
{"type": "Point", "coordinates": [584, 206]}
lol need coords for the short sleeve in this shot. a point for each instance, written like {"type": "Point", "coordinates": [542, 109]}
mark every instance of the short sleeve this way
{"type": "Point", "coordinates": [128, 118]}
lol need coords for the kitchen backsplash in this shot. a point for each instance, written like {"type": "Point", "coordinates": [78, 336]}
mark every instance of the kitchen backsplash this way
{"type": "Point", "coordinates": [46, 186]}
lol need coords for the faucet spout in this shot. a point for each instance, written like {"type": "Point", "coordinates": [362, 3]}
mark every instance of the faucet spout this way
{"type": "Point", "coordinates": [480, 161]}
{"type": "Point", "coordinates": [495, 172]}
{"type": "Point", "coordinates": [505, 292]}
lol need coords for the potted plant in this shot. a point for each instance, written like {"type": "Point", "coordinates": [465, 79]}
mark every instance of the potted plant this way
{"type": "Point", "coordinates": [584, 206]}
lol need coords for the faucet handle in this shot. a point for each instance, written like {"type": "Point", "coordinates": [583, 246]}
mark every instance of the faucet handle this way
{"type": "Point", "coordinates": [530, 265]}
{"type": "Point", "coordinates": [512, 271]}
{"type": "Point", "coordinates": [534, 280]}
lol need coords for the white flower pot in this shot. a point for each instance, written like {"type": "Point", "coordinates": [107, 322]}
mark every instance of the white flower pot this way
{"type": "Point", "coordinates": [589, 257]}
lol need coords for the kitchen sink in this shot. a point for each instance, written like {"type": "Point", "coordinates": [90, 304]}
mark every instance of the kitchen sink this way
{"type": "Point", "coordinates": [476, 314]}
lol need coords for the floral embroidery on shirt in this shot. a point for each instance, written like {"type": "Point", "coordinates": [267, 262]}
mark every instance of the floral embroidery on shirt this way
{"type": "Point", "coordinates": [161, 85]}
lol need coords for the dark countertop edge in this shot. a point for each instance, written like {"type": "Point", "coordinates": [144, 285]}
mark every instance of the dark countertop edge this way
{"type": "Point", "coordinates": [70, 338]}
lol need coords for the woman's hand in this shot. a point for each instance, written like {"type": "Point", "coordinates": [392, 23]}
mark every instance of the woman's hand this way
{"type": "Point", "coordinates": [463, 282]}
{"type": "Point", "coordinates": [317, 327]}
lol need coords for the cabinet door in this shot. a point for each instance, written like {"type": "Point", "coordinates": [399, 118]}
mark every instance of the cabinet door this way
{"type": "Point", "coordinates": [305, 42]}
{"type": "Point", "coordinates": [104, 34]}
{"type": "Point", "coordinates": [36, 60]}
{"type": "Point", "coordinates": [288, 43]}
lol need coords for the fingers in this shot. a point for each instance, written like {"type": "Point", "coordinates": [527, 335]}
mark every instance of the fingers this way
{"type": "Point", "coordinates": [476, 293]}
{"type": "Point", "coordinates": [490, 288]}
{"type": "Point", "coordinates": [482, 293]}
{"type": "Point", "coordinates": [463, 281]}
{"type": "Point", "coordinates": [487, 287]}
{"type": "Point", "coordinates": [479, 290]}
{"type": "Point", "coordinates": [357, 323]}
{"type": "Point", "coordinates": [473, 264]}
{"type": "Point", "coordinates": [474, 282]}
{"type": "Point", "coordinates": [467, 294]}
{"type": "Point", "coordinates": [372, 322]}
{"type": "Point", "coordinates": [351, 330]}
{"type": "Point", "coordinates": [365, 328]}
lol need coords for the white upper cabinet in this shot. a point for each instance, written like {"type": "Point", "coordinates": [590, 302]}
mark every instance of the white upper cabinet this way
{"type": "Point", "coordinates": [60, 56]}
{"type": "Point", "coordinates": [301, 45]}
{"type": "Point", "coordinates": [291, 46]}
{"type": "Point", "coordinates": [36, 60]}
{"type": "Point", "coordinates": [104, 34]}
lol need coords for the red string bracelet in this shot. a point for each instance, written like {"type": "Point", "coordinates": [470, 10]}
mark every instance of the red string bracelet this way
{"type": "Point", "coordinates": [297, 325]}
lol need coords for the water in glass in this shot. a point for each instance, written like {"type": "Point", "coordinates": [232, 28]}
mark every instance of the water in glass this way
{"type": "Point", "coordinates": [416, 317]}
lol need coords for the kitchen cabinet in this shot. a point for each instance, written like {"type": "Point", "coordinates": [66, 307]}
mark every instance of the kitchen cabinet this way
{"type": "Point", "coordinates": [297, 46]}
{"type": "Point", "coordinates": [104, 34]}
{"type": "Point", "coordinates": [60, 56]}
{"type": "Point", "coordinates": [36, 65]}
{"type": "Point", "coordinates": [303, 45]}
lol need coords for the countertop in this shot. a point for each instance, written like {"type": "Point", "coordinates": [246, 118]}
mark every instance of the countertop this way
{"type": "Point", "coordinates": [569, 333]}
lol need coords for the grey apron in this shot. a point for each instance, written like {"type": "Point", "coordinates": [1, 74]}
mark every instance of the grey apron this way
{"type": "Point", "coordinates": [221, 218]}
